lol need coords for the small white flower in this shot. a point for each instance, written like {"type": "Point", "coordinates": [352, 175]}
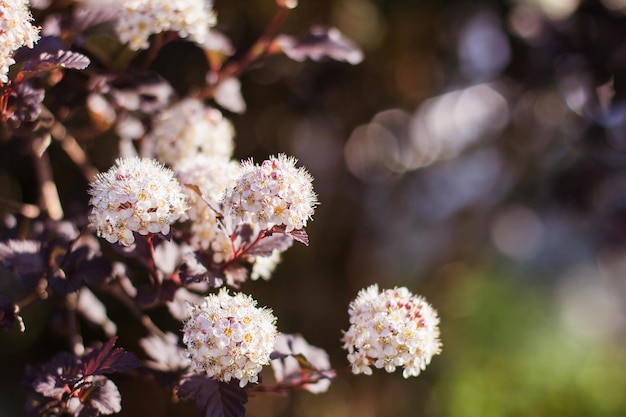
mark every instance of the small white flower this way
{"type": "Point", "coordinates": [264, 266]}
{"type": "Point", "coordinates": [189, 128]}
{"type": "Point", "coordinates": [135, 195]}
{"type": "Point", "coordinates": [141, 18]}
{"type": "Point", "coordinates": [273, 193]}
{"type": "Point", "coordinates": [391, 329]}
{"type": "Point", "coordinates": [228, 337]}
{"type": "Point", "coordinates": [16, 31]}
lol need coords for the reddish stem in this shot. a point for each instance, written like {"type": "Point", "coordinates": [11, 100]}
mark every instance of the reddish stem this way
{"type": "Point", "coordinates": [256, 51]}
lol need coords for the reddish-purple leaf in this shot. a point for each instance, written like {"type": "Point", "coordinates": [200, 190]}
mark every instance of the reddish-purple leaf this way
{"type": "Point", "coordinates": [106, 359]}
{"type": "Point", "coordinates": [266, 246]}
{"type": "Point", "coordinates": [214, 398]}
{"type": "Point", "coordinates": [319, 44]}
{"type": "Point", "coordinates": [197, 267]}
{"type": "Point", "coordinates": [299, 235]}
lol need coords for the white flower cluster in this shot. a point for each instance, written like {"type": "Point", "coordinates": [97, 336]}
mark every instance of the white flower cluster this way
{"type": "Point", "coordinates": [16, 31]}
{"type": "Point", "coordinates": [190, 128]}
{"type": "Point", "coordinates": [273, 193]}
{"type": "Point", "coordinates": [135, 195]}
{"type": "Point", "coordinates": [141, 18]}
{"type": "Point", "coordinates": [229, 337]}
{"type": "Point", "coordinates": [390, 329]}
{"type": "Point", "coordinates": [212, 176]}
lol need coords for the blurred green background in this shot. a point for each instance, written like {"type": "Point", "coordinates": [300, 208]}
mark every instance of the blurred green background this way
{"type": "Point", "coordinates": [476, 156]}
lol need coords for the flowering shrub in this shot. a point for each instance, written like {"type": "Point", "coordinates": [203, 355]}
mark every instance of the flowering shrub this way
{"type": "Point", "coordinates": [178, 216]}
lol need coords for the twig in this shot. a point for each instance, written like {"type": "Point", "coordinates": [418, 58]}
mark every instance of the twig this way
{"type": "Point", "coordinates": [73, 150]}
{"type": "Point", "coordinates": [30, 211]}
{"type": "Point", "coordinates": [76, 340]}
{"type": "Point", "coordinates": [50, 200]}
{"type": "Point", "coordinates": [256, 51]}
{"type": "Point", "coordinates": [145, 320]}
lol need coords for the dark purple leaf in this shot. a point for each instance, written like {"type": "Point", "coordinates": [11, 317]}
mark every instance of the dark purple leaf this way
{"type": "Point", "coordinates": [244, 232]}
{"type": "Point", "coordinates": [49, 61]}
{"type": "Point", "coordinates": [214, 398]}
{"type": "Point", "coordinates": [267, 245]}
{"type": "Point", "coordinates": [94, 271]}
{"type": "Point", "coordinates": [197, 267]}
{"type": "Point", "coordinates": [25, 103]}
{"type": "Point", "coordinates": [106, 359]}
{"type": "Point", "coordinates": [25, 258]}
{"type": "Point", "coordinates": [45, 45]}
{"type": "Point", "coordinates": [319, 44]}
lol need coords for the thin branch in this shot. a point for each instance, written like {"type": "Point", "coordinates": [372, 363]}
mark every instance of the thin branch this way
{"type": "Point", "coordinates": [50, 200]}
{"type": "Point", "coordinates": [30, 211]}
{"type": "Point", "coordinates": [145, 320]}
{"type": "Point", "coordinates": [256, 52]}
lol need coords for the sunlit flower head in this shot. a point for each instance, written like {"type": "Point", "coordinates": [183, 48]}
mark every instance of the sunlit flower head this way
{"type": "Point", "coordinates": [391, 329]}
{"type": "Point", "coordinates": [273, 193]}
{"type": "Point", "coordinates": [141, 18]}
{"type": "Point", "coordinates": [135, 195]}
{"type": "Point", "coordinates": [229, 337]}
{"type": "Point", "coordinates": [16, 30]}
{"type": "Point", "coordinates": [189, 128]}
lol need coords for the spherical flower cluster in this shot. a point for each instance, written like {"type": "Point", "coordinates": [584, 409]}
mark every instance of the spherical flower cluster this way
{"type": "Point", "coordinates": [190, 128]}
{"type": "Point", "coordinates": [135, 195]}
{"type": "Point", "coordinates": [229, 337]}
{"type": "Point", "coordinates": [212, 175]}
{"type": "Point", "coordinates": [16, 31]}
{"type": "Point", "coordinates": [141, 18]}
{"type": "Point", "coordinates": [273, 193]}
{"type": "Point", "coordinates": [390, 329]}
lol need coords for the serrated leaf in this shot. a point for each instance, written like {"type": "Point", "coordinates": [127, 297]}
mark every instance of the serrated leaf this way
{"type": "Point", "coordinates": [267, 245]}
{"type": "Point", "coordinates": [25, 103]}
{"type": "Point", "coordinates": [25, 258]}
{"type": "Point", "coordinates": [214, 398]}
{"type": "Point", "coordinates": [50, 61]}
{"type": "Point", "coordinates": [320, 43]}
{"type": "Point", "coordinates": [106, 359]}
{"type": "Point", "coordinates": [196, 267]}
